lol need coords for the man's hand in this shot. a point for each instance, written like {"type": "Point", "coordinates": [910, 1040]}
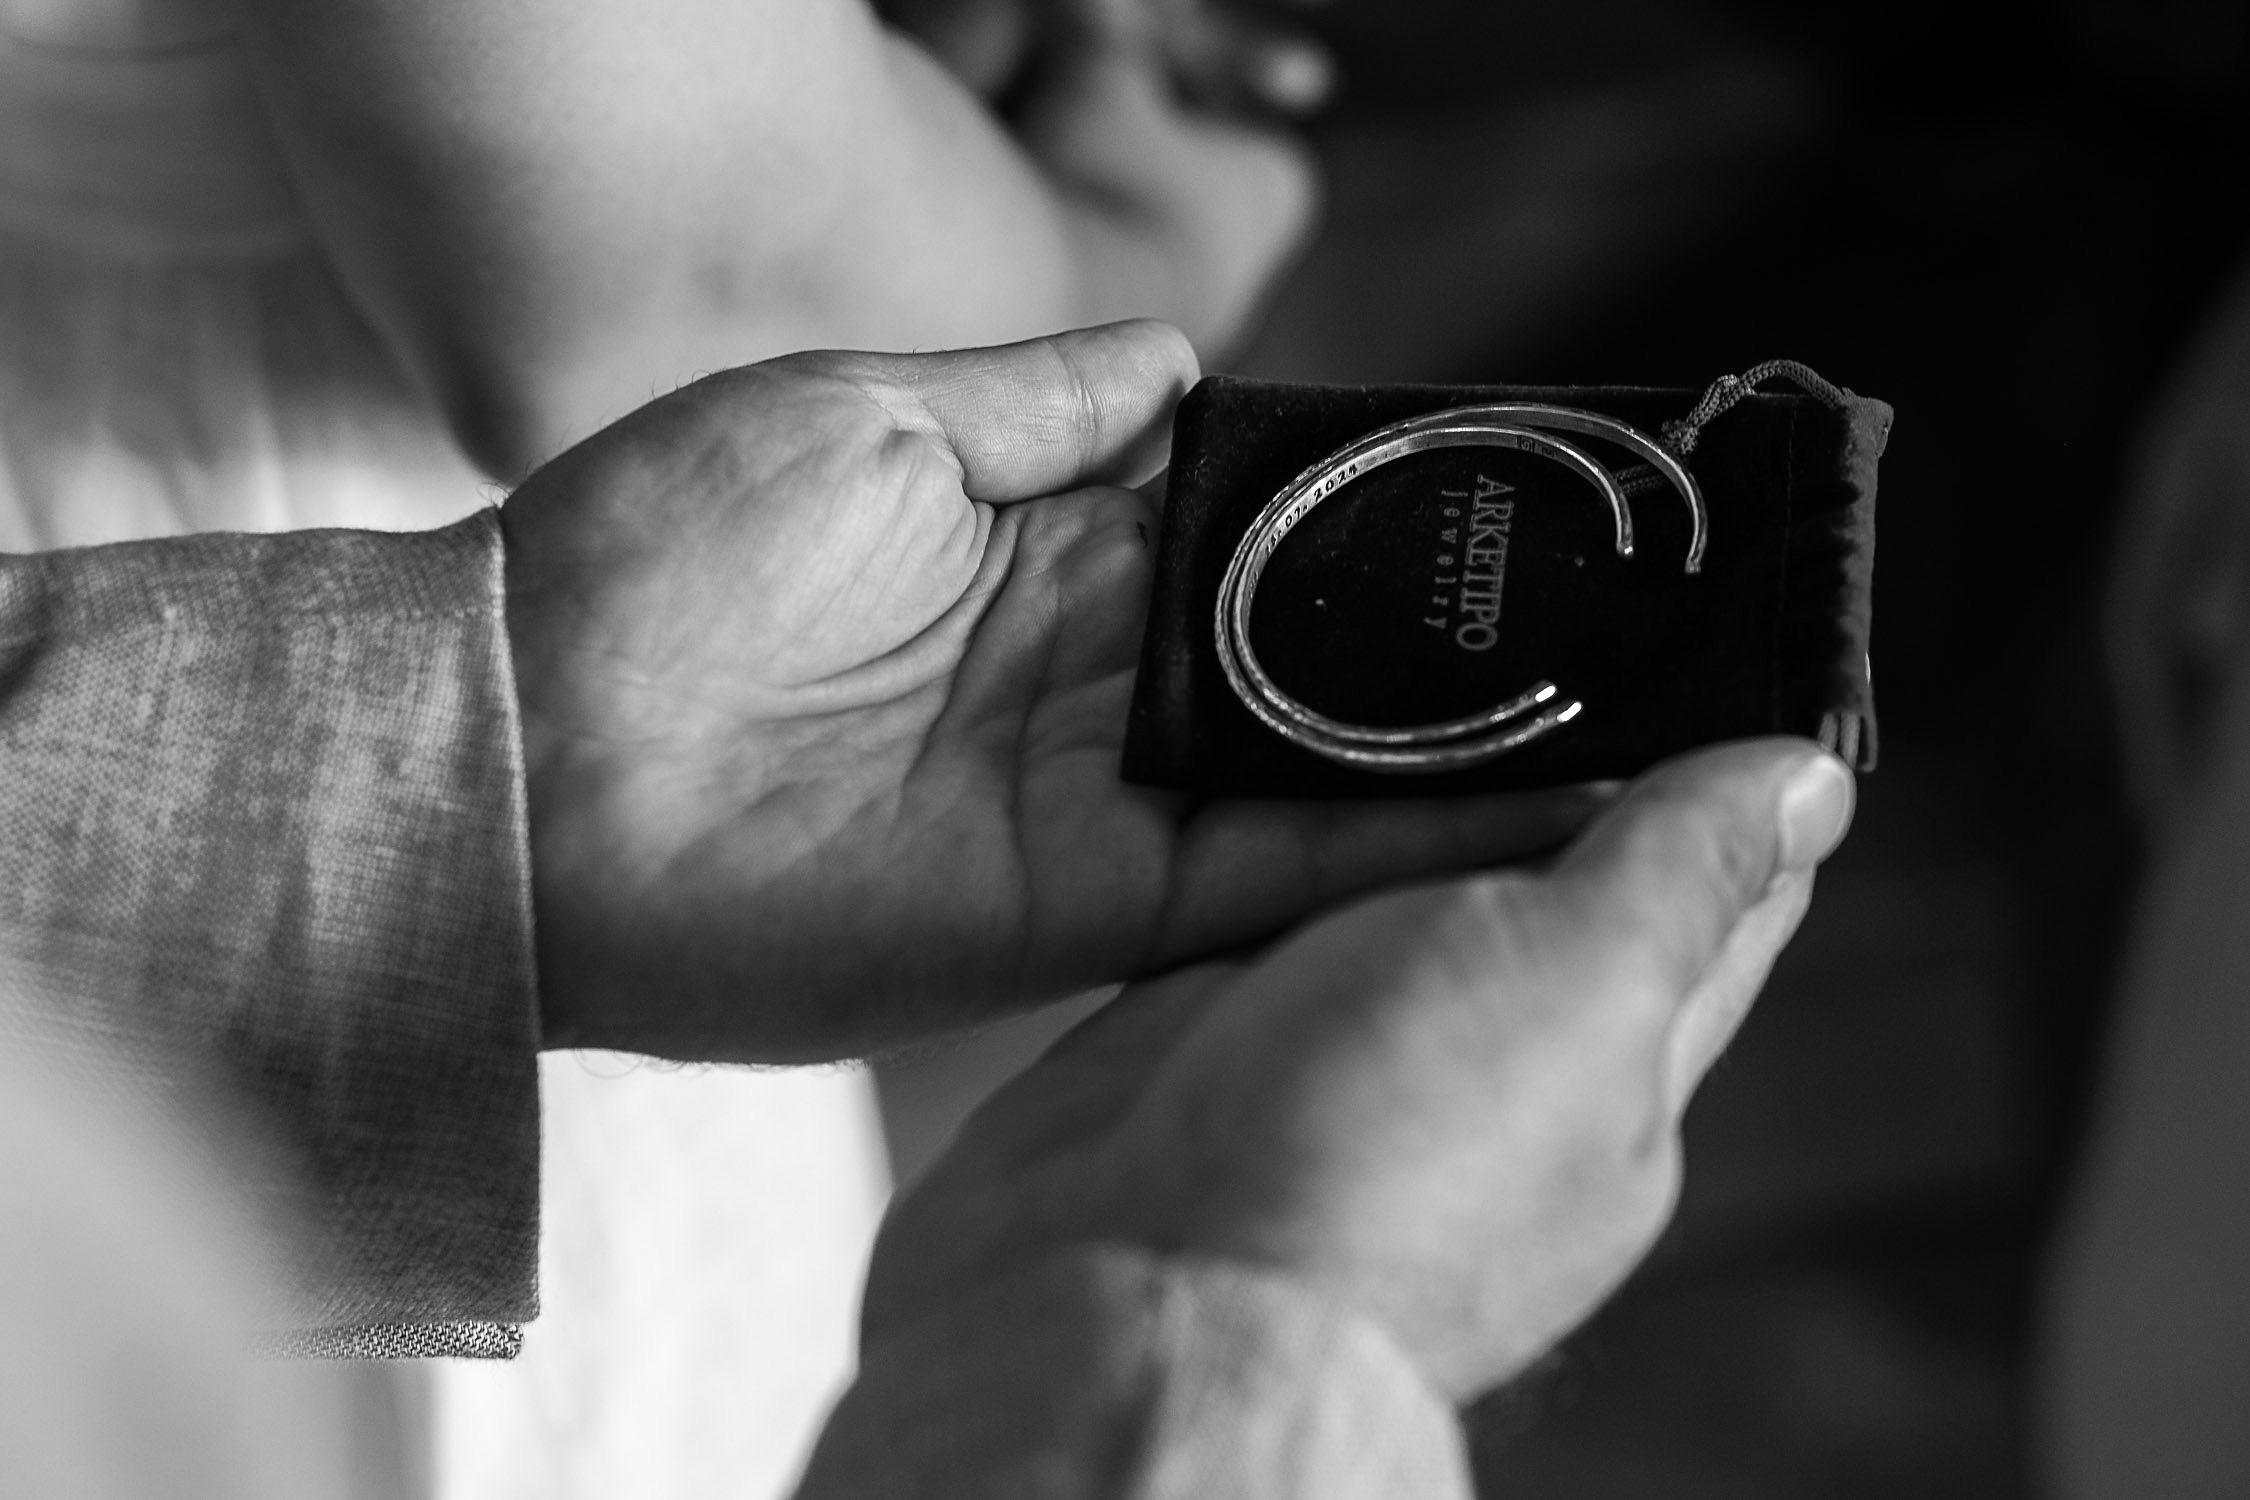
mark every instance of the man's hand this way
{"type": "Point", "coordinates": [1455, 1106]}
{"type": "Point", "coordinates": [824, 666]}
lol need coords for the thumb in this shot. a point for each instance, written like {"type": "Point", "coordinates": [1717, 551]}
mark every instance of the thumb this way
{"type": "Point", "coordinates": [1708, 860]}
{"type": "Point", "coordinates": [1025, 420]}
{"type": "Point", "coordinates": [1700, 840]}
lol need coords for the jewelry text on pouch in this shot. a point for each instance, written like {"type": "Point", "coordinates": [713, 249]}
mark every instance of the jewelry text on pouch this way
{"type": "Point", "coordinates": [1483, 563]}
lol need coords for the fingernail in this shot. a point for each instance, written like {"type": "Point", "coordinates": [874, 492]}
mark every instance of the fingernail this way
{"type": "Point", "coordinates": [1816, 808]}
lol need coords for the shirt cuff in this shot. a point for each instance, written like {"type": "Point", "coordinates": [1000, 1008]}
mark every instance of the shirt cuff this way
{"type": "Point", "coordinates": [262, 815]}
{"type": "Point", "coordinates": [1111, 1371]}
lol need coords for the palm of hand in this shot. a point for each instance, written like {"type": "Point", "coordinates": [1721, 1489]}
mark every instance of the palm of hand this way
{"type": "Point", "coordinates": [824, 753]}
{"type": "Point", "coordinates": [837, 707]}
{"type": "Point", "coordinates": [1315, 1115]}
{"type": "Point", "coordinates": [1453, 1107]}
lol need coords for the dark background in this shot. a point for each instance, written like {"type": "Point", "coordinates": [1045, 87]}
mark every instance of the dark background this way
{"type": "Point", "coordinates": [2006, 220]}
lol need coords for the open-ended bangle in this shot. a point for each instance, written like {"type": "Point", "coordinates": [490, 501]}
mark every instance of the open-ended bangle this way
{"type": "Point", "coordinates": [1542, 431]}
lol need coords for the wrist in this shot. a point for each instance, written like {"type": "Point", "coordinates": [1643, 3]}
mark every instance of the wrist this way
{"type": "Point", "coordinates": [1201, 1376]}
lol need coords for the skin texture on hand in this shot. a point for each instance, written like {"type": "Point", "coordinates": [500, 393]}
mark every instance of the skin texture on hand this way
{"type": "Point", "coordinates": [824, 666]}
{"type": "Point", "coordinates": [1456, 1106]}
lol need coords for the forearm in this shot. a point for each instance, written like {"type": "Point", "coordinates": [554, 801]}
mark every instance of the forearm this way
{"type": "Point", "coordinates": [556, 210]}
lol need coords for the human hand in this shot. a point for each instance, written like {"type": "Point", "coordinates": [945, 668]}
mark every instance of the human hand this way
{"type": "Point", "coordinates": [1455, 1106]}
{"type": "Point", "coordinates": [824, 666]}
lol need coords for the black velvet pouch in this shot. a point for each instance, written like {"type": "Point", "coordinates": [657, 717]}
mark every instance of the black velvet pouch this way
{"type": "Point", "coordinates": [1361, 613]}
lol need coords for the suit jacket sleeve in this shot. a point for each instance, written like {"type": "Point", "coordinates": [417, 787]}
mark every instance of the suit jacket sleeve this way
{"type": "Point", "coordinates": [261, 811]}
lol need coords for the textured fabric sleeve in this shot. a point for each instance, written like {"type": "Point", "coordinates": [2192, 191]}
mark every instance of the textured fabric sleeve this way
{"type": "Point", "coordinates": [1111, 1372]}
{"type": "Point", "coordinates": [261, 816]}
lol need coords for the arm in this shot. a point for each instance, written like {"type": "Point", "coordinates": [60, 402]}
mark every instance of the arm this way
{"type": "Point", "coordinates": [558, 210]}
{"type": "Point", "coordinates": [262, 813]}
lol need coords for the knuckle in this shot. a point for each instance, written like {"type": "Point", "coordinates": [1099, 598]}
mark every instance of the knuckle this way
{"type": "Point", "coordinates": [1168, 355]}
{"type": "Point", "coordinates": [1556, 967]}
{"type": "Point", "coordinates": [1715, 866]}
{"type": "Point", "coordinates": [1732, 870]}
{"type": "Point", "coordinates": [1715, 847]}
{"type": "Point", "coordinates": [1080, 409]}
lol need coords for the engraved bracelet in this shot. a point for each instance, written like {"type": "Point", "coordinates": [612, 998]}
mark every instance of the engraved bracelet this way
{"type": "Point", "coordinates": [1472, 739]}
